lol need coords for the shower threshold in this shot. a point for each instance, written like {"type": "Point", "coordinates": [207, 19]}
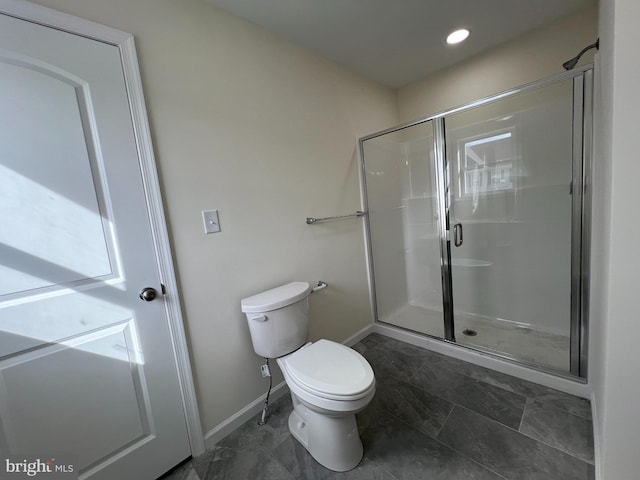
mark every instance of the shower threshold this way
{"type": "Point", "coordinates": [501, 337]}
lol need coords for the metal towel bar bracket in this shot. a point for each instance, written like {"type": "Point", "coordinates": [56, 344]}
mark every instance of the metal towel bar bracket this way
{"type": "Point", "coordinates": [312, 220]}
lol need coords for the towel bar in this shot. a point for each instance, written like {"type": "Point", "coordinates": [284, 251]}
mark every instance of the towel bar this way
{"type": "Point", "coordinates": [312, 220]}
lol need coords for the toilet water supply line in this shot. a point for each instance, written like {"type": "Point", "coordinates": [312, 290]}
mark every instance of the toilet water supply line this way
{"type": "Point", "coordinates": [266, 370]}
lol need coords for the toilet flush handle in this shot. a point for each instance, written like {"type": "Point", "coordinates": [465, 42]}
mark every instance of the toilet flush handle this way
{"type": "Point", "coordinates": [319, 286]}
{"type": "Point", "coordinates": [260, 318]}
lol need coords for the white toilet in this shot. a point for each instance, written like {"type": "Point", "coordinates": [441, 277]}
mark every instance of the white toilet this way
{"type": "Point", "coordinates": [329, 382]}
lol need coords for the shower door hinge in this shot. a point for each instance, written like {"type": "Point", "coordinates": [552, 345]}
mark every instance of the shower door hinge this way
{"type": "Point", "coordinates": [163, 288]}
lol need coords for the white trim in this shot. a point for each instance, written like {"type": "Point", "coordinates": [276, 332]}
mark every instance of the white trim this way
{"type": "Point", "coordinates": [477, 358]}
{"type": "Point", "coordinates": [597, 451]}
{"type": "Point", "coordinates": [161, 242]}
{"type": "Point", "coordinates": [62, 21]}
{"type": "Point", "coordinates": [241, 417]}
{"type": "Point", "coordinates": [356, 337]}
{"type": "Point", "coordinates": [124, 41]}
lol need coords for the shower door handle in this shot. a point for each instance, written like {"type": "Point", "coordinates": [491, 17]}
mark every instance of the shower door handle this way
{"type": "Point", "coordinates": [457, 234]}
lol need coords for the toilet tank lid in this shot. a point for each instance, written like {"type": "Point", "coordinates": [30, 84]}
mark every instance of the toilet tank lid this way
{"type": "Point", "coordinates": [275, 298]}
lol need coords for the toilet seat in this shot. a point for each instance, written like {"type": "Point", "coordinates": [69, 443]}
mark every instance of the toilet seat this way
{"type": "Point", "coordinates": [329, 370]}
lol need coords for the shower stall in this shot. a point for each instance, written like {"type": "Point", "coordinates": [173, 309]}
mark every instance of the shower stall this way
{"type": "Point", "coordinates": [478, 224]}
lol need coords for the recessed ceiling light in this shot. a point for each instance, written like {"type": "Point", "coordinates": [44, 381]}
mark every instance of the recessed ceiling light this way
{"type": "Point", "coordinates": [457, 36]}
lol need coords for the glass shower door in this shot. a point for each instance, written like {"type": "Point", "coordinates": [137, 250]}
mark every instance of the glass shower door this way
{"type": "Point", "coordinates": [478, 224]}
{"type": "Point", "coordinates": [510, 199]}
{"type": "Point", "coordinates": [401, 186]}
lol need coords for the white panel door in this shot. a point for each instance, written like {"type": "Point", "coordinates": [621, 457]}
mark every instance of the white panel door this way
{"type": "Point", "coordinates": [86, 367]}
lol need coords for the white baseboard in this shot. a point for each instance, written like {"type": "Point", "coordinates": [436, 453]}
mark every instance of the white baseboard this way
{"type": "Point", "coordinates": [241, 417]}
{"type": "Point", "coordinates": [483, 360]}
{"type": "Point", "coordinates": [356, 337]}
{"type": "Point", "coordinates": [220, 431]}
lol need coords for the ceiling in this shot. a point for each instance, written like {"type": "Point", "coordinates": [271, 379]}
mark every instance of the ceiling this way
{"type": "Point", "coordinates": [397, 42]}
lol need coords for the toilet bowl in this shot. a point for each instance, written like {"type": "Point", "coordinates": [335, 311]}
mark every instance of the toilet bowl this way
{"type": "Point", "coordinates": [329, 382]}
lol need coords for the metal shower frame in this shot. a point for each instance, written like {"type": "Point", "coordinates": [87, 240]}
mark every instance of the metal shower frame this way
{"type": "Point", "coordinates": [580, 216]}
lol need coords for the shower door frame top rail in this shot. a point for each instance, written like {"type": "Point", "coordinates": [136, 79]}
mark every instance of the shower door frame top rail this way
{"type": "Point", "coordinates": [580, 216]}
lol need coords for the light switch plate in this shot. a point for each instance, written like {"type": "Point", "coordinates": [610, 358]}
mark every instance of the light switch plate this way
{"type": "Point", "coordinates": [211, 221]}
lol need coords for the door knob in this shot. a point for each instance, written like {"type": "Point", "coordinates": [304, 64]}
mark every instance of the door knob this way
{"type": "Point", "coordinates": [148, 293]}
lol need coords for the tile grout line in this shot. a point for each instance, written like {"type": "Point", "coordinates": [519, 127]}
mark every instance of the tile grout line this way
{"type": "Point", "coordinates": [448, 446]}
{"type": "Point", "coordinates": [524, 410]}
{"type": "Point", "coordinates": [463, 454]}
{"type": "Point", "coordinates": [561, 410]}
{"type": "Point", "coordinates": [558, 449]}
{"type": "Point", "coordinates": [523, 434]}
{"type": "Point", "coordinates": [470, 378]}
{"type": "Point", "coordinates": [536, 399]}
{"type": "Point", "coordinates": [495, 421]}
{"type": "Point", "coordinates": [499, 475]}
{"type": "Point", "coordinates": [484, 385]}
{"type": "Point", "coordinates": [507, 389]}
{"type": "Point", "coordinates": [544, 442]}
{"type": "Point", "coordinates": [430, 393]}
{"type": "Point", "coordinates": [453, 405]}
{"type": "Point", "coordinates": [435, 438]}
{"type": "Point", "coordinates": [380, 467]}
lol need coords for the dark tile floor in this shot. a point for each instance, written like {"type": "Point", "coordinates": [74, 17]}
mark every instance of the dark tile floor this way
{"type": "Point", "coordinates": [433, 417]}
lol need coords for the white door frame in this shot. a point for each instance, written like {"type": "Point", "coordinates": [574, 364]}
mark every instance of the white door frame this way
{"type": "Point", "coordinates": [125, 43]}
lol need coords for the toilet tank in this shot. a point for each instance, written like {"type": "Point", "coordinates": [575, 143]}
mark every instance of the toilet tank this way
{"type": "Point", "coordinates": [278, 319]}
